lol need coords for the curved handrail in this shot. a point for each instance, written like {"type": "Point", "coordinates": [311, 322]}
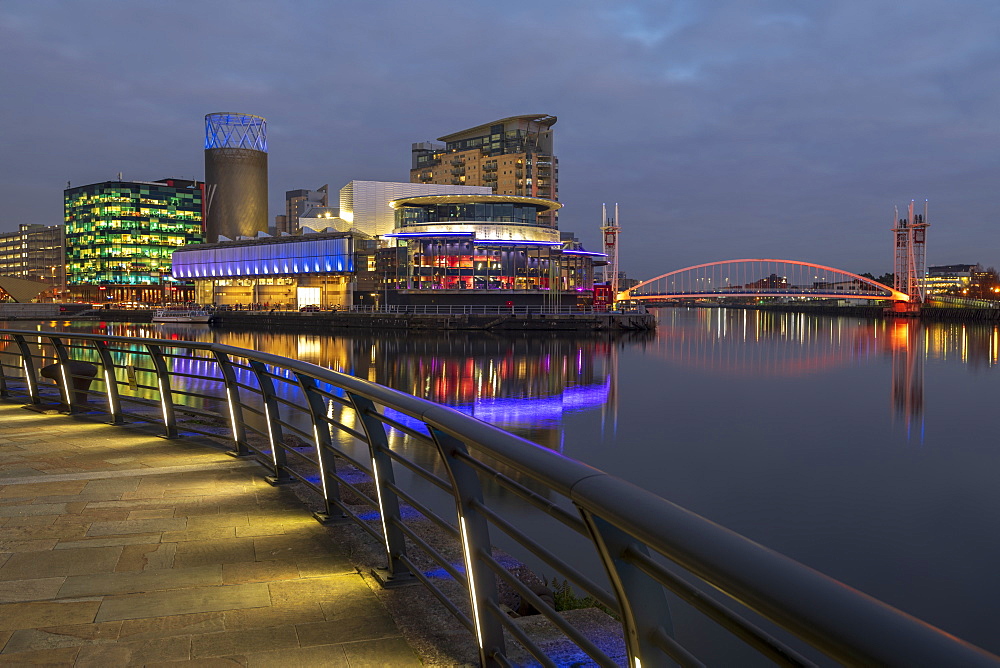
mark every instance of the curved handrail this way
{"type": "Point", "coordinates": [624, 522]}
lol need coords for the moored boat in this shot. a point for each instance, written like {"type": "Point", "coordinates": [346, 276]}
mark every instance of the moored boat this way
{"type": "Point", "coordinates": [182, 315]}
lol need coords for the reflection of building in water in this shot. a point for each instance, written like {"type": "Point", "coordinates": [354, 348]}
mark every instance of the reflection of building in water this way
{"type": "Point", "coordinates": [771, 343]}
{"type": "Point", "coordinates": [524, 385]}
{"type": "Point", "coordinates": [908, 373]}
{"type": "Point", "coordinates": [975, 344]}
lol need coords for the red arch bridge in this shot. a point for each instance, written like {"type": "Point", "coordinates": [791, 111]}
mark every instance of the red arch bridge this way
{"type": "Point", "coordinates": [760, 278]}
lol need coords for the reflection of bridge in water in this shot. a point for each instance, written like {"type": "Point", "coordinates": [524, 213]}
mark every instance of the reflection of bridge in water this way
{"type": "Point", "coordinates": [754, 343]}
{"type": "Point", "coordinates": [750, 278]}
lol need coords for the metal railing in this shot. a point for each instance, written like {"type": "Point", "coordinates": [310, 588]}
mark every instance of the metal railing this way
{"type": "Point", "coordinates": [462, 507]}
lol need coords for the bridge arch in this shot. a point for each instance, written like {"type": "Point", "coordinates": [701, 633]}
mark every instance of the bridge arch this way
{"type": "Point", "coordinates": [760, 277]}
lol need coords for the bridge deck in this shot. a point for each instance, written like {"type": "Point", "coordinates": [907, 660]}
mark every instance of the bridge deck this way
{"type": "Point", "coordinates": [119, 547]}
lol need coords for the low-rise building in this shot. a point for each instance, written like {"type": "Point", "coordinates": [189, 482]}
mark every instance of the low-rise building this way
{"type": "Point", "coordinates": [949, 278]}
{"type": "Point", "coordinates": [36, 253]}
{"type": "Point", "coordinates": [271, 272]}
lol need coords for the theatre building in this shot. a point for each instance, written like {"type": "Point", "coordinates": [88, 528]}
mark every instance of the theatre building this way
{"type": "Point", "coordinates": [444, 250]}
{"type": "Point", "coordinates": [484, 249]}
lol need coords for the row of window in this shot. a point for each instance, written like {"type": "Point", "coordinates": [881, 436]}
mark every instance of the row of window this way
{"type": "Point", "coordinates": [523, 214]}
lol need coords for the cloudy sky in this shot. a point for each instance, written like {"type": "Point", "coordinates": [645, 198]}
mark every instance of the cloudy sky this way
{"type": "Point", "coordinates": [724, 128]}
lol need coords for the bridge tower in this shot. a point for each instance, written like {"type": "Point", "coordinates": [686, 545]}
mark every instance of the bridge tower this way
{"type": "Point", "coordinates": [910, 252]}
{"type": "Point", "coordinates": [609, 229]}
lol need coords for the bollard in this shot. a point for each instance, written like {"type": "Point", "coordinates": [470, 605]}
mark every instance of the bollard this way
{"type": "Point", "coordinates": [80, 375]}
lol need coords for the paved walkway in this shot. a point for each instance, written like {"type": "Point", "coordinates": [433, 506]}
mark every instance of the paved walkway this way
{"type": "Point", "coordinates": [119, 548]}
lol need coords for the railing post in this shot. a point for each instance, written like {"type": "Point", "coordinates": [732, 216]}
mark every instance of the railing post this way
{"type": "Point", "coordinates": [163, 383]}
{"type": "Point", "coordinates": [236, 425]}
{"type": "Point", "coordinates": [324, 451]}
{"type": "Point", "coordinates": [4, 392]}
{"type": "Point", "coordinates": [274, 434]}
{"type": "Point", "coordinates": [28, 364]}
{"type": "Point", "coordinates": [110, 383]}
{"type": "Point", "coordinates": [63, 360]}
{"type": "Point", "coordinates": [643, 603]}
{"type": "Point", "coordinates": [395, 572]}
{"type": "Point", "coordinates": [475, 535]}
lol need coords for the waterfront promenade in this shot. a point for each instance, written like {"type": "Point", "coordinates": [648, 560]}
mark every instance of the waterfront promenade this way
{"type": "Point", "coordinates": [118, 547]}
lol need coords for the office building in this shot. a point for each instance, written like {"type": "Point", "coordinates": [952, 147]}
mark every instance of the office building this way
{"type": "Point", "coordinates": [235, 175]}
{"type": "Point", "coordinates": [120, 236]}
{"type": "Point", "coordinates": [949, 278]}
{"type": "Point", "coordinates": [297, 203]}
{"type": "Point", "coordinates": [512, 156]}
{"type": "Point", "coordinates": [36, 253]}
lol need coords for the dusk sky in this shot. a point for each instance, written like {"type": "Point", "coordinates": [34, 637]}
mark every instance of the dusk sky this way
{"type": "Point", "coordinates": [724, 129]}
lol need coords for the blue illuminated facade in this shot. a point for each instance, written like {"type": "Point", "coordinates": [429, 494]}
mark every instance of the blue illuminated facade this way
{"type": "Point", "coordinates": [271, 272]}
{"type": "Point", "coordinates": [321, 256]}
{"type": "Point", "coordinates": [231, 130]}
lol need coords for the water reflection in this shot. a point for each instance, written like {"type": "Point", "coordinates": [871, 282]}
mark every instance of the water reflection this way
{"type": "Point", "coordinates": [528, 384]}
{"type": "Point", "coordinates": [525, 384]}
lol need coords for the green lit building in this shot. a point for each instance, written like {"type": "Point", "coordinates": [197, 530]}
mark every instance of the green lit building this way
{"type": "Point", "coordinates": [120, 236]}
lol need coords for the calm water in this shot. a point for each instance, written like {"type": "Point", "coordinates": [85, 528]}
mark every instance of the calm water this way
{"type": "Point", "coordinates": [866, 450]}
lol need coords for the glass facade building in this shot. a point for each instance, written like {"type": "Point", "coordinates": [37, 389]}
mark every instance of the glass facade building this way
{"type": "Point", "coordinates": [120, 236]}
{"type": "Point", "coordinates": [484, 249]}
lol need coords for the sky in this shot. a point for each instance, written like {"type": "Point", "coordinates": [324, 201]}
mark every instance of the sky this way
{"type": "Point", "coordinates": [724, 129]}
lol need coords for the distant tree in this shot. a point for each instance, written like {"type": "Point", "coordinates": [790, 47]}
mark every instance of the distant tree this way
{"type": "Point", "coordinates": [867, 275]}
{"type": "Point", "coordinates": [888, 278]}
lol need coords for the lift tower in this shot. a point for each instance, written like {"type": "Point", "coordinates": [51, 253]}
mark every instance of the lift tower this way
{"type": "Point", "coordinates": [909, 253]}
{"type": "Point", "coordinates": [609, 229]}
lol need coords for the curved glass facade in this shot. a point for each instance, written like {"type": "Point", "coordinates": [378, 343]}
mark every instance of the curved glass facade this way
{"type": "Point", "coordinates": [493, 212]}
{"type": "Point", "coordinates": [448, 263]}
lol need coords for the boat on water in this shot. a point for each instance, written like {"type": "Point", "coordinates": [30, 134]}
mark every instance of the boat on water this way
{"type": "Point", "coordinates": [182, 315]}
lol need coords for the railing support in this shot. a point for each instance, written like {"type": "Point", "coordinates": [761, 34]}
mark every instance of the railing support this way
{"type": "Point", "coordinates": [28, 364]}
{"type": "Point", "coordinates": [4, 392]}
{"type": "Point", "coordinates": [65, 391]}
{"type": "Point", "coordinates": [166, 397]}
{"type": "Point", "coordinates": [324, 453]}
{"type": "Point", "coordinates": [475, 534]}
{"type": "Point", "coordinates": [275, 436]}
{"type": "Point", "coordinates": [643, 603]}
{"type": "Point", "coordinates": [395, 573]}
{"type": "Point", "coordinates": [110, 383]}
{"type": "Point", "coordinates": [236, 426]}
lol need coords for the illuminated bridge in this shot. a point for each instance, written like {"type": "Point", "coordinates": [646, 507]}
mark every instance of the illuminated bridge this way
{"type": "Point", "coordinates": [760, 278]}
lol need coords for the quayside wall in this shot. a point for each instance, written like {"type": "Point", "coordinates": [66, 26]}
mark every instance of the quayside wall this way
{"type": "Point", "coordinates": [312, 321]}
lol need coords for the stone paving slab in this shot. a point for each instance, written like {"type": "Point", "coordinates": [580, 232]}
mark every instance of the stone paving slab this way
{"type": "Point", "coordinates": [118, 547]}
